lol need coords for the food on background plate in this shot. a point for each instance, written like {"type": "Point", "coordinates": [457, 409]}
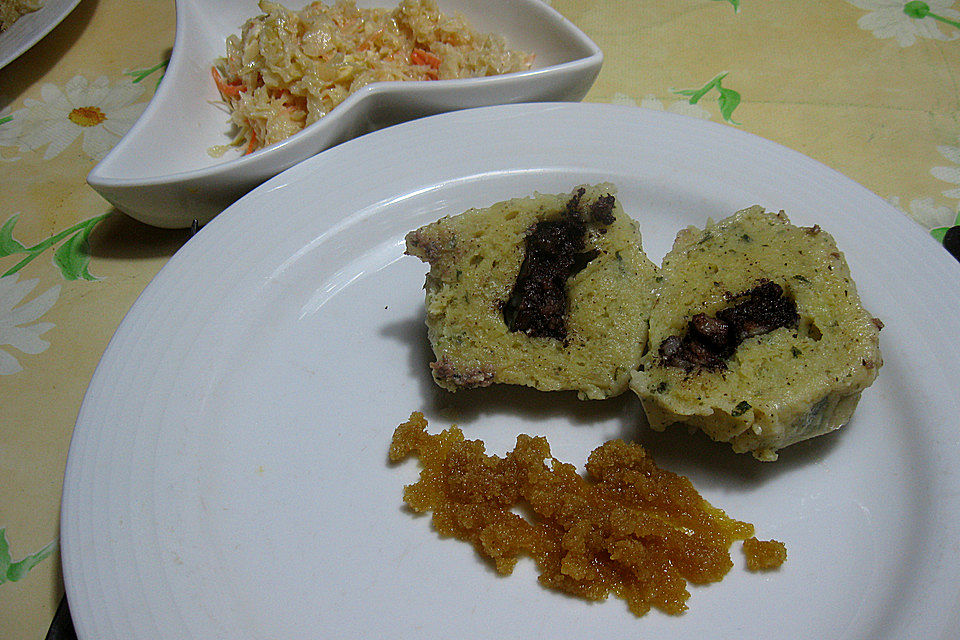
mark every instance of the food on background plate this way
{"type": "Point", "coordinates": [549, 291]}
{"type": "Point", "coordinates": [758, 337]}
{"type": "Point", "coordinates": [629, 528]}
{"type": "Point", "coordinates": [13, 10]}
{"type": "Point", "coordinates": [288, 68]}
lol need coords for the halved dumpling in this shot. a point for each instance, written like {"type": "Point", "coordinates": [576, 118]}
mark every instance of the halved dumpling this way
{"type": "Point", "coordinates": [758, 337]}
{"type": "Point", "coordinates": [550, 291]}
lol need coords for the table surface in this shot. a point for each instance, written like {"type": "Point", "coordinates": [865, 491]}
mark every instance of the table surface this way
{"type": "Point", "coordinates": [870, 88]}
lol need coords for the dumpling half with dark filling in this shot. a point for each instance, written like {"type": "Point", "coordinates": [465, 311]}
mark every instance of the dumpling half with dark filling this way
{"type": "Point", "coordinates": [549, 291]}
{"type": "Point", "coordinates": [758, 337]}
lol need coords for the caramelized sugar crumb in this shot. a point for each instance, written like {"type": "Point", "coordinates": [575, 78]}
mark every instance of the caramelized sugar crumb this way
{"type": "Point", "coordinates": [764, 555]}
{"type": "Point", "coordinates": [630, 528]}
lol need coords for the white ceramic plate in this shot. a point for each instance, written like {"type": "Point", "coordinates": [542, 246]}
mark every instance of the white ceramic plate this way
{"type": "Point", "coordinates": [228, 474]}
{"type": "Point", "coordinates": [161, 173]}
{"type": "Point", "coordinates": [30, 28]}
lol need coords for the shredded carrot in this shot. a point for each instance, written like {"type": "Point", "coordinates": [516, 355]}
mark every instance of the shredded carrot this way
{"type": "Point", "coordinates": [423, 57]}
{"type": "Point", "coordinates": [252, 145]}
{"type": "Point", "coordinates": [368, 42]}
{"type": "Point", "coordinates": [227, 90]}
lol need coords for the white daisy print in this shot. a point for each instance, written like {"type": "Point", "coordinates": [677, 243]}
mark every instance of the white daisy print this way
{"type": "Point", "coordinates": [19, 328]}
{"type": "Point", "coordinates": [676, 106]}
{"type": "Point", "coordinates": [622, 99]}
{"type": "Point", "coordinates": [928, 213]}
{"type": "Point", "coordinates": [101, 114]}
{"type": "Point", "coordinates": [9, 131]}
{"type": "Point", "coordinates": [907, 21]}
{"type": "Point", "coordinates": [949, 174]}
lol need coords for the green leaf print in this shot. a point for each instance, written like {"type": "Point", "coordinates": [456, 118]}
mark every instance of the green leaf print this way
{"type": "Point", "coordinates": [72, 257]}
{"type": "Point", "coordinates": [6, 119]}
{"type": "Point", "coordinates": [940, 232]}
{"type": "Point", "coordinates": [13, 571]}
{"type": "Point", "coordinates": [140, 74]}
{"type": "Point", "coordinates": [727, 99]}
{"type": "Point", "coordinates": [735, 3]}
{"type": "Point", "coordinates": [9, 246]}
{"type": "Point", "coordinates": [920, 10]}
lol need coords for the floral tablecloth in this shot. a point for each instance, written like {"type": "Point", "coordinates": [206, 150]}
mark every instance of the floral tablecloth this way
{"type": "Point", "coordinates": [870, 88]}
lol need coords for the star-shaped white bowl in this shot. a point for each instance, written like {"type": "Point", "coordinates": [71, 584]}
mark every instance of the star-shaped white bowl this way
{"type": "Point", "coordinates": [162, 174]}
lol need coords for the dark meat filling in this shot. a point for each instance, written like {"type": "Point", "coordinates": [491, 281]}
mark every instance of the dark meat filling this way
{"type": "Point", "coordinates": [538, 303]}
{"type": "Point", "coordinates": [599, 211]}
{"type": "Point", "coordinates": [711, 340]}
{"type": "Point", "coordinates": [554, 252]}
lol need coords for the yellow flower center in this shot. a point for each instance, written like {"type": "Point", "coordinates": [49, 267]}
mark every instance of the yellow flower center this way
{"type": "Point", "coordinates": [87, 116]}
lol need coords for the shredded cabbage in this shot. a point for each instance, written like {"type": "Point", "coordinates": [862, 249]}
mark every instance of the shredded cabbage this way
{"type": "Point", "coordinates": [287, 69]}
